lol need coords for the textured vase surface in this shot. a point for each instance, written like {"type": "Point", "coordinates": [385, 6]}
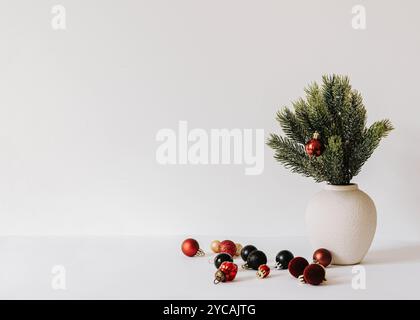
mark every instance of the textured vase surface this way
{"type": "Point", "coordinates": [342, 219]}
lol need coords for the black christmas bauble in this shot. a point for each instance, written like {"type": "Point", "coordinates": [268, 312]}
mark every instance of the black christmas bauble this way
{"type": "Point", "coordinates": [255, 259]}
{"type": "Point", "coordinates": [220, 258]}
{"type": "Point", "coordinates": [246, 251]}
{"type": "Point", "coordinates": [283, 258]}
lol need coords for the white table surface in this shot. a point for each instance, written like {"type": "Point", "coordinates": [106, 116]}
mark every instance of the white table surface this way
{"type": "Point", "coordinates": [154, 268]}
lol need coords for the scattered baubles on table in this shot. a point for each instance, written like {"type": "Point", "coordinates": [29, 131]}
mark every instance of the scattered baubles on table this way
{"type": "Point", "coordinates": [310, 273]}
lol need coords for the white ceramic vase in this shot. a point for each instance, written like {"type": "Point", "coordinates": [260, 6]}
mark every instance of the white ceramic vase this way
{"type": "Point", "coordinates": [342, 219]}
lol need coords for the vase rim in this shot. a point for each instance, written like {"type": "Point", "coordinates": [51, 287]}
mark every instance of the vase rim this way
{"type": "Point", "coordinates": [344, 187]}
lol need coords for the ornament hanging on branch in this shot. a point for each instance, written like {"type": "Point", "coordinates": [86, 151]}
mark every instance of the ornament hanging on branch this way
{"type": "Point", "coordinates": [314, 147]}
{"type": "Point", "coordinates": [191, 248]}
{"type": "Point", "coordinates": [227, 272]}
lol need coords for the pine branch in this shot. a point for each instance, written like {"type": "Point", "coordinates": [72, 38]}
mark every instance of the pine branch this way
{"type": "Point", "coordinates": [293, 156]}
{"type": "Point", "coordinates": [291, 126]}
{"type": "Point", "coordinates": [371, 138]}
{"type": "Point", "coordinates": [337, 112]}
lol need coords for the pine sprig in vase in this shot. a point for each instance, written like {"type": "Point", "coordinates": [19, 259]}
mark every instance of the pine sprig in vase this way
{"type": "Point", "coordinates": [336, 114]}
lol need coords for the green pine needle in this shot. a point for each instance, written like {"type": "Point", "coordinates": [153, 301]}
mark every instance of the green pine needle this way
{"type": "Point", "coordinates": [336, 111]}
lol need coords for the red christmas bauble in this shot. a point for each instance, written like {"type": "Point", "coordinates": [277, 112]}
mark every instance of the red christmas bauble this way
{"type": "Point", "coordinates": [323, 257]}
{"type": "Point", "coordinates": [297, 265]}
{"type": "Point", "coordinates": [314, 147]}
{"type": "Point", "coordinates": [228, 246]}
{"type": "Point", "coordinates": [227, 272]}
{"type": "Point", "coordinates": [314, 274]}
{"type": "Point", "coordinates": [191, 248]}
{"type": "Point", "coordinates": [263, 271]}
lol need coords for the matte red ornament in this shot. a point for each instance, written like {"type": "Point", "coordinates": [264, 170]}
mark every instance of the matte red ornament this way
{"type": "Point", "coordinates": [323, 257]}
{"type": "Point", "coordinates": [191, 248]}
{"type": "Point", "coordinates": [314, 147]}
{"type": "Point", "coordinates": [227, 272]}
{"type": "Point", "coordinates": [297, 265]}
{"type": "Point", "coordinates": [313, 274]}
{"type": "Point", "coordinates": [228, 246]}
{"type": "Point", "coordinates": [263, 271]}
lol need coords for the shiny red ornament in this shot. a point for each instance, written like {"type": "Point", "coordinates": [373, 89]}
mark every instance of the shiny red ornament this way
{"type": "Point", "coordinates": [227, 272]}
{"type": "Point", "coordinates": [263, 271]}
{"type": "Point", "coordinates": [191, 248]}
{"type": "Point", "coordinates": [313, 274]}
{"type": "Point", "coordinates": [297, 265]}
{"type": "Point", "coordinates": [323, 257]}
{"type": "Point", "coordinates": [314, 147]}
{"type": "Point", "coordinates": [228, 246]}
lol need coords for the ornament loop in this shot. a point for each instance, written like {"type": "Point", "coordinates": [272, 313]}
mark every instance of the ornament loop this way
{"type": "Point", "coordinates": [200, 253]}
{"type": "Point", "coordinates": [301, 279]}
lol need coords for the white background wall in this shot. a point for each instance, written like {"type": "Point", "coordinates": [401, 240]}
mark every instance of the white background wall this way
{"type": "Point", "coordinates": [80, 108]}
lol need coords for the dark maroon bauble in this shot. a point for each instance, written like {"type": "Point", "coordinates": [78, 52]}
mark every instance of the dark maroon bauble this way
{"type": "Point", "coordinates": [314, 274]}
{"type": "Point", "coordinates": [297, 265]}
{"type": "Point", "coordinates": [322, 256]}
{"type": "Point", "coordinates": [220, 258]}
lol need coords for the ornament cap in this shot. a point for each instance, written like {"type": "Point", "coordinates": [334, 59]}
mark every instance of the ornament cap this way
{"type": "Point", "coordinates": [301, 279]}
{"type": "Point", "coordinates": [316, 135]}
{"type": "Point", "coordinates": [219, 277]}
{"type": "Point", "coordinates": [200, 253]}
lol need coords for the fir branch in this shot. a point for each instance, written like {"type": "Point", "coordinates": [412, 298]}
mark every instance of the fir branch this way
{"type": "Point", "coordinates": [370, 140]}
{"type": "Point", "coordinates": [337, 112]}
{"type": "Point", "coordinates": [291, 126]}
